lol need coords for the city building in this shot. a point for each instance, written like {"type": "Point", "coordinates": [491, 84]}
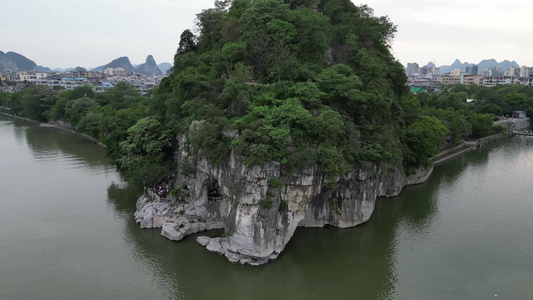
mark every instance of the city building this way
{"type": "Point", "coordinates": [446, 79]}
{"type": "Point", "coordinates": [412, 69]}
{"type": "Point", "coordinates": [472, 69]}
{"type": "Point", "coordinates": [512, 71]}
{"type": "Point", "coordinates": [456, 73]}
{"type": "Point", "coordinates": [492, 81]}
{"type": "Point", "coordinates": [524, 72]}
{"type": "Point", "coordinates": [31, 76]}
{"type": "Point", "coordinates": [529, 80]}
{"type": "Point", "coordinates": [115, 71]}
{"type": "Point", "coordinates": [461, 79]}
{"type": "Point", "coordinates": [103, 86]}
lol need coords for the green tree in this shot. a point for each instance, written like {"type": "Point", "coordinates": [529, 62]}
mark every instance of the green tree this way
{"type": "Point", "coordinates": [517, 101]}
{"type": "Point", "coordinates": [481, 125]}
{"type": "Point", "coordinates": [90, 124]}
{"type": "Point", "coordinates": [143, 151]}
{"type": "Point", "coordinates": [57, 112]}
{"type": "Point", "coordinates": [75, 110]}
{"type": "Point", "coordinates": [422, 139]}
{"type": "Point", "coordinates": [36, 100]}
{"type": "Point", "coordinates": [187, 43]}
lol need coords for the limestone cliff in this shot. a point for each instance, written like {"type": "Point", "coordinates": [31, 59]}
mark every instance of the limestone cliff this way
{"type": "Point", "coordinates": [260, 207]}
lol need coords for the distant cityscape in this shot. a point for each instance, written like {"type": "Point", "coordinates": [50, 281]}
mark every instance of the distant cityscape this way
{"type": "Point", "coordinates": [69, 80]}
{"type": "Point", "coordinates": [432, 78]}
{"type": "Point", "coordinates": [17, 72]}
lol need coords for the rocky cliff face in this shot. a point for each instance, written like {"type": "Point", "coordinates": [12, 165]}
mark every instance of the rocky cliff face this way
{"type": "Point", "coordinates": [260, 207]}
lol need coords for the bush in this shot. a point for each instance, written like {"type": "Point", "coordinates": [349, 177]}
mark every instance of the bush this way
{"type": "Point", "coordinates": [265, 203]}
{"type": "Point", "coordinates": [274, 183]}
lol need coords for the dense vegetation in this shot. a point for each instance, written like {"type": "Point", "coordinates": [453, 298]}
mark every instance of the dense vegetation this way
{"type": "Point", "coordinates": [301, 82]}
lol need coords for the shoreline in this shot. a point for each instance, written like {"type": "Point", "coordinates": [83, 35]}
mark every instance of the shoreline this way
{"type": "Point", "coordinates": [422, 175]}
{"type": "Point", "coordinates": [55, 126]}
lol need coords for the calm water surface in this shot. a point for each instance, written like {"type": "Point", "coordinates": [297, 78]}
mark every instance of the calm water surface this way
{"type": "Point", "coordinates": [67, 232]}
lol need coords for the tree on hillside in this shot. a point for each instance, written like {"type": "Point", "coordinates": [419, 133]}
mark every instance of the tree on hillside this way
{"type": "Point", "coordinates": [36, 101]}
{"type": "Point", "coordinates": [422, 139]}
{"type": "Point", "coordinates": [142, 153]}
{"type": "Point", "coordinates": [75, 110]}
{"type": "Point", "coordinates": [187, 43]}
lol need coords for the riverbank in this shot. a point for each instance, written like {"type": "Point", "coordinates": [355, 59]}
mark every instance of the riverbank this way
{"type": "Point", "coordinates": [55, 125]}
{"type": "Point", "coordinates": [422, 175]}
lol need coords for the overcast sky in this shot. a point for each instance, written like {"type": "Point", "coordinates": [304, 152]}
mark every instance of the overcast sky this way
{"type": "Point", "coordinates": [90, 33]}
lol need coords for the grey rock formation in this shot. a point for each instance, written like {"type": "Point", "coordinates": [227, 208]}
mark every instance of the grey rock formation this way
{"type": "Point", "coordinates": [149, 67]}
{"type": "Point", "coordinates": [121, 62]}
{"type": "Point", "coordinates": [260, 218]}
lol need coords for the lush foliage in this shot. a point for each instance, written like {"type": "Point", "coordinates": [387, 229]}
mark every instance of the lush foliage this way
{"type": "Point", "coordinates": [303, 83]}
{"type": "Point", "coordinates": [300, 82]}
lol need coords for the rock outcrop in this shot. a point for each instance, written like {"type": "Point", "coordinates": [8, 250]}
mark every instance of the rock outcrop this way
{"type": "Point", "coordinates": [260, 207]}
{"type": "Point", "coordinates": [149, 67]}
{"type": "Point", "coordinates": [121, 62]}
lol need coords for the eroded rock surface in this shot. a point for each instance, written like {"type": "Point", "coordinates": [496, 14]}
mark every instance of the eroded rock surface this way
{"type": "Point", "coordinates": [260, 207]}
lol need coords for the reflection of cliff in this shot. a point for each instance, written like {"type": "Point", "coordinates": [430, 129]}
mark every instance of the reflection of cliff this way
{"type": "Point", "coordinates": [47, 141]}
{"type": "Point", "coordinates": [317, 263]}
{"type": "Point", "coordinates": [417, 204]}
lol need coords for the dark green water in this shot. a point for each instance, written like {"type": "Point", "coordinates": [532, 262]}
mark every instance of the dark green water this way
{"type": "Point", "coordinates": [67, 232]}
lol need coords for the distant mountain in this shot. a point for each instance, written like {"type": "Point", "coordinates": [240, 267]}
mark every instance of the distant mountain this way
{"type": "Point", "coordinates": [164, 67]}
{"type": "Point", "coordinates": [121, 62]}
{"type": "Point", "coordinates": [149, 67]}
{"type": "Point", "coordinates": [6, 63]}
{"type": "Point", "coordinates": [504, 65]}
{"type": "Point", "coordinates": [482, 65]}
{"type": "Point", "coordinates": [457, 64]}
{"type": "Point", "coordinates": [62, 70]}
{"type": "Point", "coordinates": [43, 69]}
{"type": "Point", "coordinates": [486, 64]}
{"type": "Point", "coordinates": [14, 61]}
{"type": "Point", "coordinates": [99, 69]}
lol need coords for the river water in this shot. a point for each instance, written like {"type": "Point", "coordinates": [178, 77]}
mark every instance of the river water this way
{"type": "Point", "coordinates": [67, 232]}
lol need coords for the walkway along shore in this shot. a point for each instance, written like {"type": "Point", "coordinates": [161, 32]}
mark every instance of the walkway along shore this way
{"type": "Point", "coordinates": [422, 175]}
{"type": "Point", "coordinates": [56, 126]}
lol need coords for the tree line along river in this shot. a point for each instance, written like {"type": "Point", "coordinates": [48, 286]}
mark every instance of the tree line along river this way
{"type": "Point", "coordinates": [67, 231]}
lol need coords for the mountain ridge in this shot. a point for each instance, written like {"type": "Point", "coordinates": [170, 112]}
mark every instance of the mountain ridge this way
{"type": "Point", "coordinates": [484, 64]}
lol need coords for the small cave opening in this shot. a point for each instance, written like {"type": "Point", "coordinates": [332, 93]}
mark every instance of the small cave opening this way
{"type": "Point", "coordinates": [214, 191]}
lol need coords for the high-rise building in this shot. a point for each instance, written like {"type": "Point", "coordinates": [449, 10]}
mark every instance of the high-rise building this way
{"type": "Point", "coordinates": [472, 69]}
{"type": "Point", "coordinates": [412, 69]}
{"type": "Point", "coordinates": [524, 72]}
{"type": "Point", "coordinates": [456, 72]}
{"type": "Point", "coordinates": [512, 71]}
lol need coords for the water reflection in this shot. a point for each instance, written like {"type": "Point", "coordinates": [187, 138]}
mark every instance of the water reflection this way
{"type": "Point", "coordinates": [394, 256]}
{"type": "Point", "coordinates": [50, 143]}
{"type": "Point", "coordinates": [316, 264]}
